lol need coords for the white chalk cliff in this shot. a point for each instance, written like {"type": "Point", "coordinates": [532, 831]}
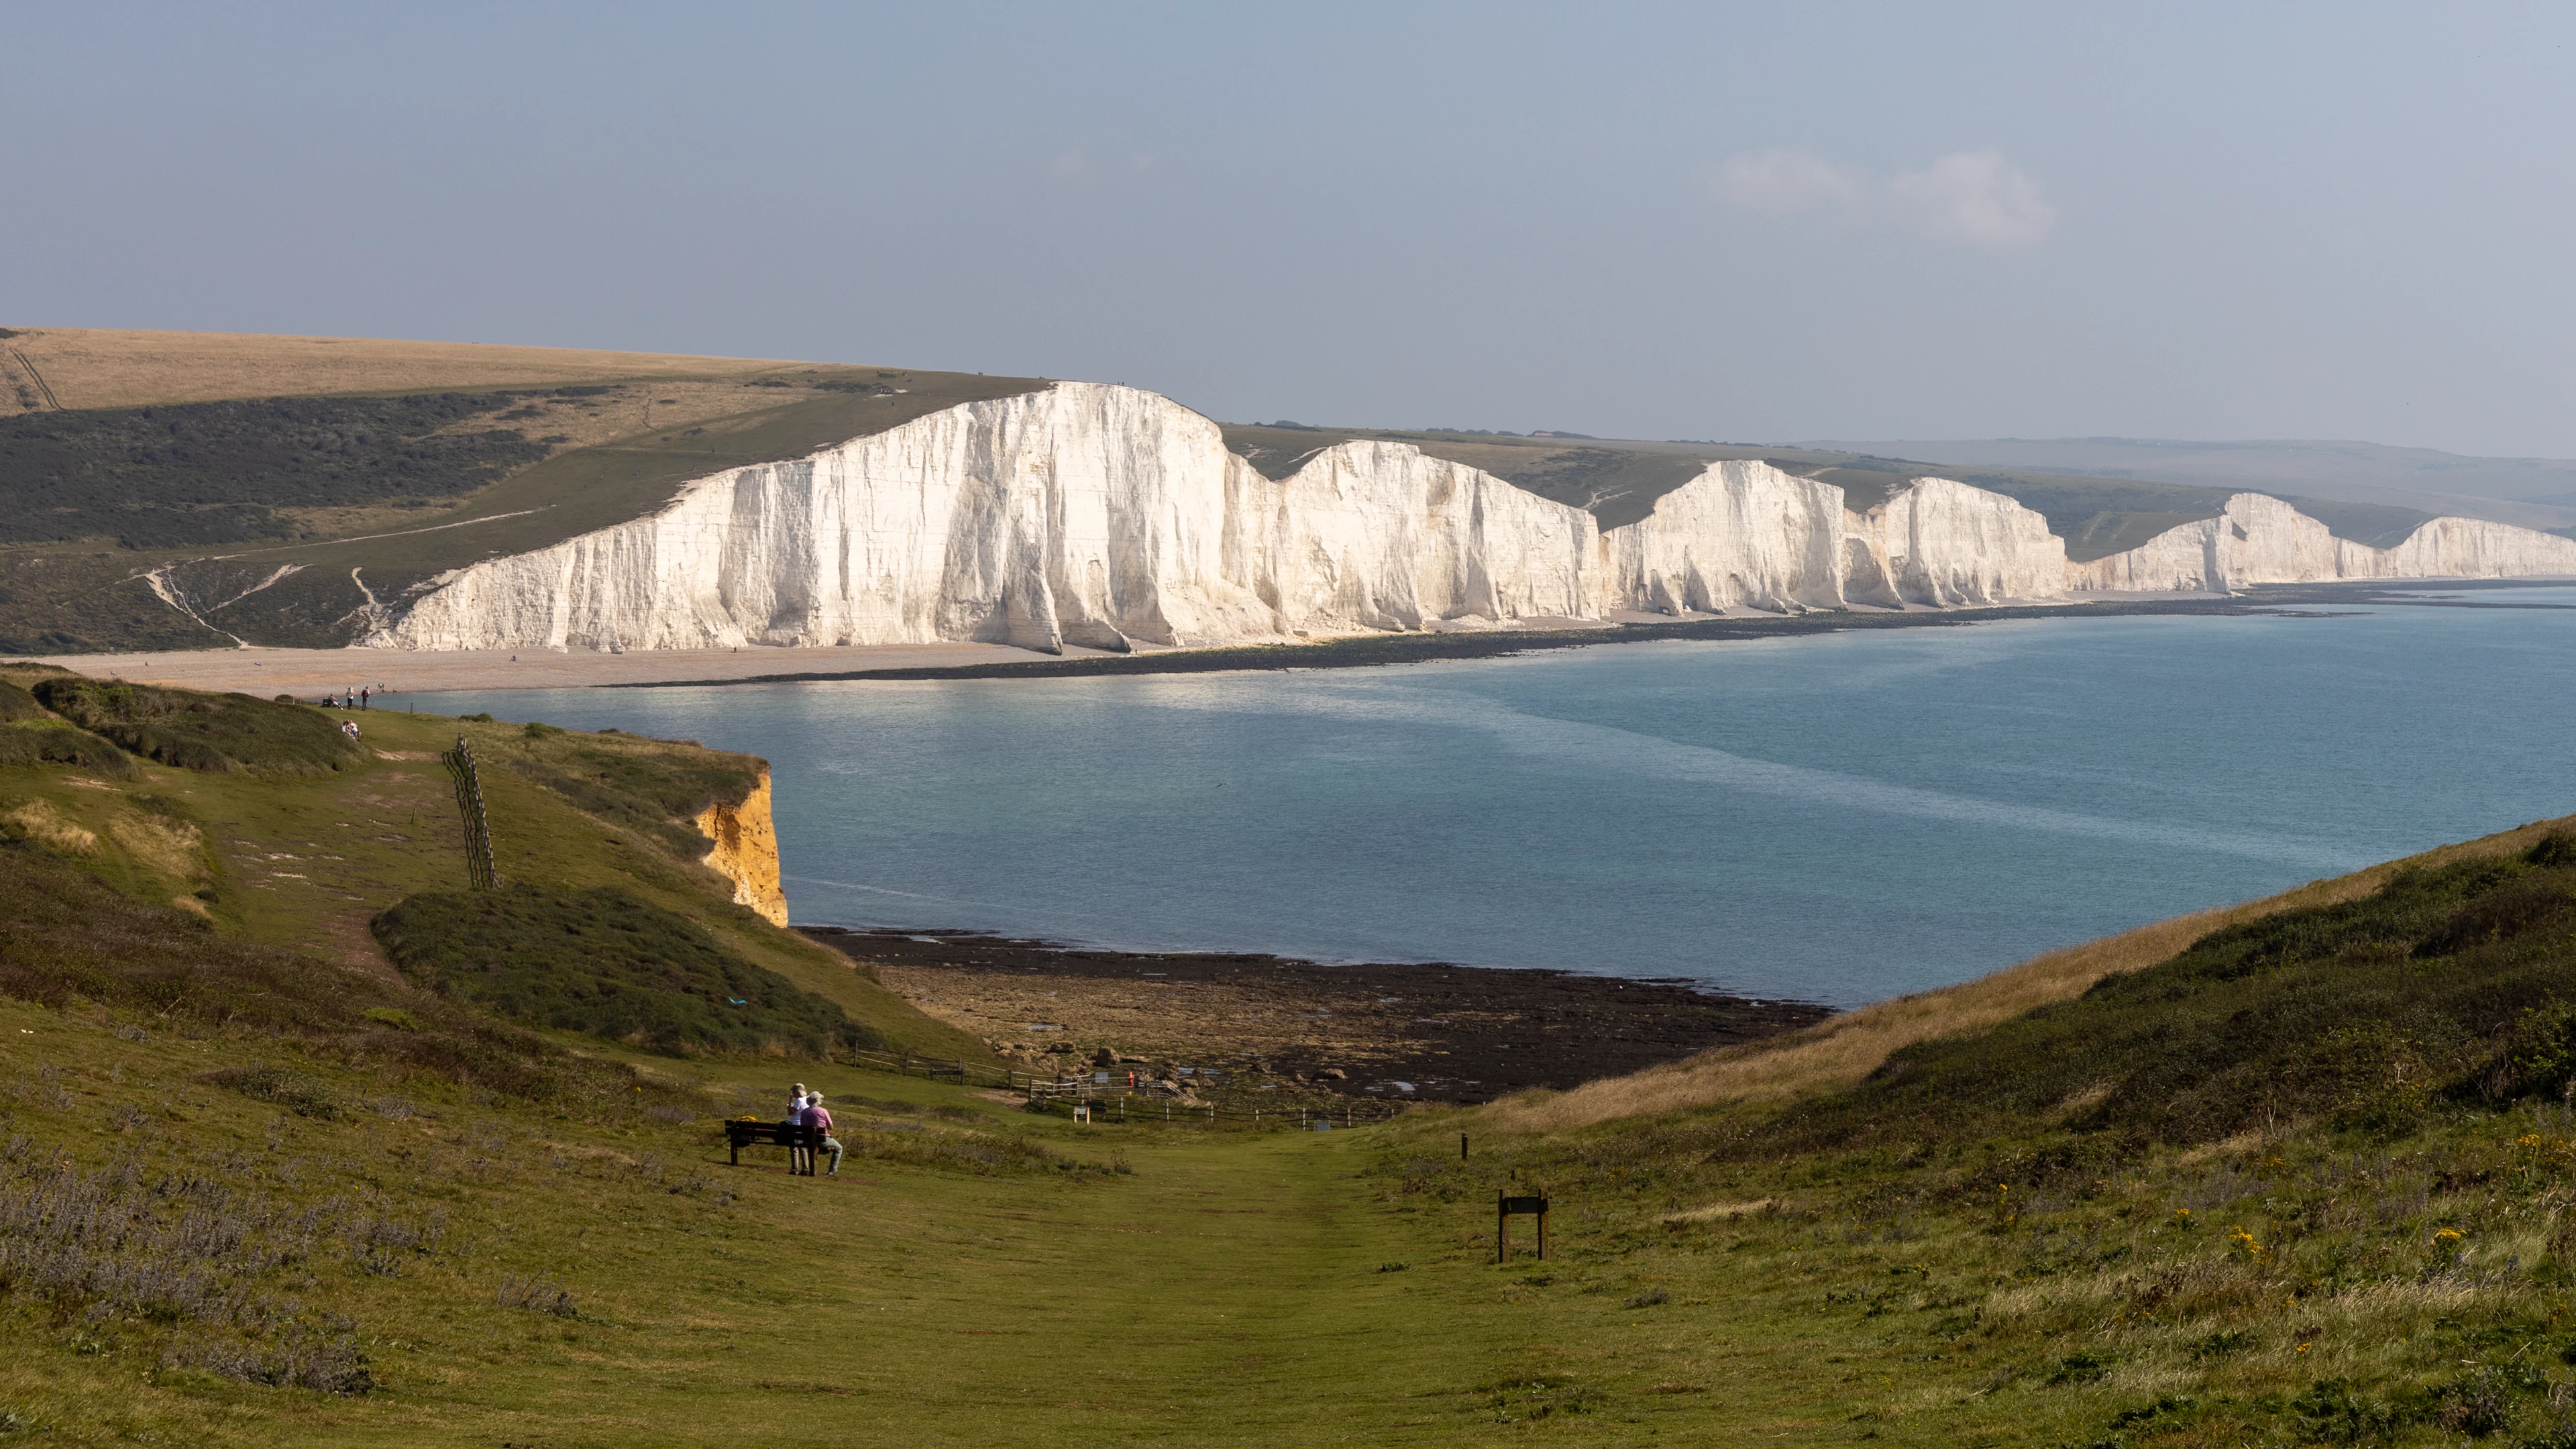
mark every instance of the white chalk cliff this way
{"type": "Point", "coordinates": [2262, 540]}
{"type": "Point", "coordinates": [1105, 516]}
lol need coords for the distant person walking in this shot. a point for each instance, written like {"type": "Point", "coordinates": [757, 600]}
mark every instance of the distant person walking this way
{"type": "Point", "coordinates": [821, 1121]}
{"type": "Point", "coordinates": [362, 699]}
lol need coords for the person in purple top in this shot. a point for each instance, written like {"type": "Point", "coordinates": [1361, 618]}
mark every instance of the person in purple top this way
{"type": "Point", "coordinates": [815, 1116]}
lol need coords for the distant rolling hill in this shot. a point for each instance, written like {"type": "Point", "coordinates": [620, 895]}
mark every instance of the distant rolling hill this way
{"type": "Point", "coordinates": [1620, 479]}
{"type": "Point", "coordinates": [2532, 492]}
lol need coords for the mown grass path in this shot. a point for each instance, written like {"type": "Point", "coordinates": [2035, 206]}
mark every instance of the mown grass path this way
{"type": "Point", "coordinates": [1228, 1291]}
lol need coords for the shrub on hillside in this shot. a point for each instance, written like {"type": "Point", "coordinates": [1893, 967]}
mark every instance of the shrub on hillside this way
{"type": "Point", "coordinates": [61, 744]}
{"type": "Point", "coordinates": [214, 732]}
{"type": "Point", "coordinates": [17, 704]}
{"type": "Point", "coordinates": [2445, 986]}
{"type": "Point", "coordinates": [608, 964]}
{"type": "Point", "coordinates": [295, 1091]}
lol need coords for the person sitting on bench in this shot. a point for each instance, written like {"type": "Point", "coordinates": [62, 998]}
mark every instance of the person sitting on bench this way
{"type": "Point", "coordinates": [795, 1118]}
{"type": "Point", "coordinates": [821, 1121]}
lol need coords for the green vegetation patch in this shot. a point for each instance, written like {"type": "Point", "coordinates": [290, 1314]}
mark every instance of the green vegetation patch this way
{"type": "Point", "coordinates": [2457, 984]}
{"type": "Point", "coordinates": [608, 964]}
{"type": "Point", "coordinates": [298, 1092]}
{"type": "Point", "coordinates": [17, 704]}
{"type": "Point", "coordinates": [56, 743]}
{"type": "Point", "coordinates": [654, 791]}
{"type": "Point", "coordinates": [2375, 524]}
{"type": "Point", "coordinates": [208, 473]}
{"type": "Point", "coordinates": [221, 733]}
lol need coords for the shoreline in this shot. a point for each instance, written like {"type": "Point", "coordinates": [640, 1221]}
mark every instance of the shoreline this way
{"type": "Point", "coordinates": [315, 672]}
{"type": "Point", "coordinates": [1372, 650]}
{"type": "Point", "coordinates": [1368, 650]}
{"type": "Point", "coordinates": [1432, 1032]}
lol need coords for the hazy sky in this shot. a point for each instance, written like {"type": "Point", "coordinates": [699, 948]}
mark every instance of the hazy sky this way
{"type": "Point", "coordinates": [1761, 222]}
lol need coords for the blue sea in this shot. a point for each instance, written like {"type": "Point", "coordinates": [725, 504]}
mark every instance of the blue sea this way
{"type": "Point", "coordinates": [1836, 819]}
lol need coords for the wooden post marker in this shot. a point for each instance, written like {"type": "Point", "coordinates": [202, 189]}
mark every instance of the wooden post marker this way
{"type": "Point", "coordinates": [1507, 1207]}
{"type": "Point", "coordinates": [479, 871]}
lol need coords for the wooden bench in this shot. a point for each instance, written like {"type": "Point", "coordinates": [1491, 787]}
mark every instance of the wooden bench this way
{"type": "Point", "coordinates": [800, 1142]}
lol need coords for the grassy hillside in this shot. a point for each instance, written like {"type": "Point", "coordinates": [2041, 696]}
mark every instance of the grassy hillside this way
{"type": "Point", "coordinates": [177, 490]}
{"type": "Point", "coordinates": [252, 816]}
{"type": "Point", "coordinates": [2294, 1173]}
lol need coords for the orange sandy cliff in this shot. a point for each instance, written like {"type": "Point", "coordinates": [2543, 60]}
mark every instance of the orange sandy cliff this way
{"type": "Point", "coordinates": [746, 851]}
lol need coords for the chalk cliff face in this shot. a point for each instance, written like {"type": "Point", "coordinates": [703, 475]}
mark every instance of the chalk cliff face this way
{"type": "Point", "coordinates": [1375, 535]}
{"type": "Point", "coordinates": [1945, 544]}
{"type": "Point", "coordinates": [1106, 517]}
{"type": "Point", "coordinates": [746, 851]}
{"type": "Point", "coordinates": [2262, 540]}
{"type": "Point", "coordinates": [1742, 535]}
{"type": "Point", "coordinates": [1081, 514]}
{"type": "Point", "coordinates": [2473, 548]}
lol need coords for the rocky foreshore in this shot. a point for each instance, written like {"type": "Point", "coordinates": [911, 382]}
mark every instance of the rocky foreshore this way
{"type": "Point", "coordinates": [1392, 1031]}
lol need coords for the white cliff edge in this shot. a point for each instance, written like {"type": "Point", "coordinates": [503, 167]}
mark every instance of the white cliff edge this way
{"type": "Point", "coordinates": [1108, 517]}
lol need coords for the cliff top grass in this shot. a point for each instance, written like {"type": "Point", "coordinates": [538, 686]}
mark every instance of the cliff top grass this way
{"type": "Point", "coordinates": [97, 367]}
{"type": "Point", "coordinates": [197, 731]}
{"type": "Point", "coordinates": [306, 861]}
{"type": "Point", "coordinates": [323, 474]}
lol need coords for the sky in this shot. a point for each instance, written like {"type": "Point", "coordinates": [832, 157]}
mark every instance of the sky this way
{"type": "Point", "coordinates": [1740, 223]}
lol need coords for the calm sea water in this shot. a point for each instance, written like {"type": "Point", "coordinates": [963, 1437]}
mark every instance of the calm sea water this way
{"type": "Point", "coordinates": [1836, 819]}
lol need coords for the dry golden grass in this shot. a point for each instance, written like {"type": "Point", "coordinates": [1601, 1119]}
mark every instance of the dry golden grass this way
{"type": "Point", "coordinates": [1843, 1049]}
{"type": "Point", "coordinates": [173, 848]}
{"type": "Point", "coordinates": [43, 824]}
{"type": "Point", "coordinates": [1719, 1212]}
{"type": "Point", "coordinates": [89, 367]}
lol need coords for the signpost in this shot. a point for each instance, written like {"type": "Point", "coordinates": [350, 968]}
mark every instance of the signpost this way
{"type": "Point", "coordinates": [1507, 1207]}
